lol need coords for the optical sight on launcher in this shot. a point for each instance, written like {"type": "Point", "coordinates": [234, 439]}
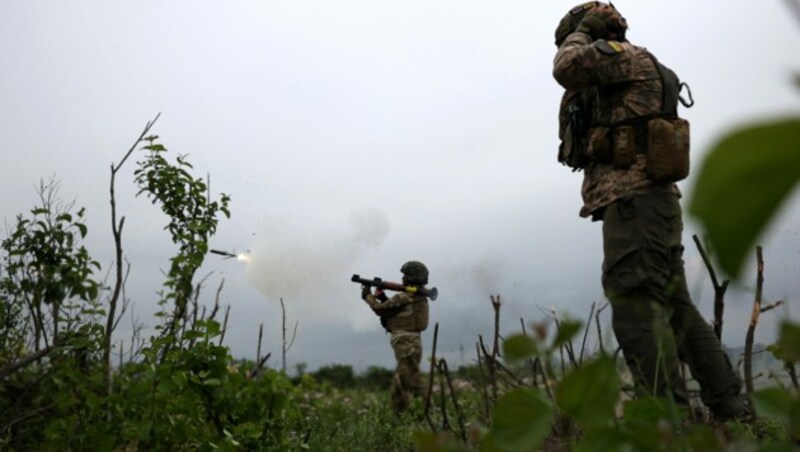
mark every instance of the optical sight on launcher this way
{"type": "Point", "coordinates": [431, 293]}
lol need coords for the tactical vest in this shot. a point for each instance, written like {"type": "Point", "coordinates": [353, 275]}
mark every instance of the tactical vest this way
{"type": "Point", "coordinates": [663, 137]}
{"type": "Point", "coordinates": [411, 317]}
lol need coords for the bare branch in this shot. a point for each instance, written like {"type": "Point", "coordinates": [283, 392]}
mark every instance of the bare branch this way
{"type": "Point", "coordinates": [487, 408]}
{"type": "Point", "coordinates": [25, 361]}
{"type": "Point", "coordinates": [586, 333]}
{"type": "Point", "coordinates": [116, 229]}
{"type": "Point", "coordinates": [283, 334]}
{"type": "Point", "coordinates": [225, 324]}
{"type": "Point", "coordinates": [531, 360]}
{"type": "Point", "coordinates": [216, 300]}
{"type": "Point", "coordinates": [599, 332]}
{"type": "Point", "coordinates": [459, 414]}
{"type": "Point", "coordinates": [294, 335]}
{"type": "Point", "coordinates": [430, 378]}
{"type": "Point", "coordinates": [260, 335]}
{"type": "Point", "coordinates": [125, 300]}
{"type": "Point", "coordinates": [771, 306]}
{"type": "Point", "coordinates": [748, 345]}
{"type": "Point", "coordinates": [496, 342]}
{"type": "Point", "coordinates": [719, 289]}
{"type": "Point", "coordinates": [491, 367]}
{"type": "Point", "coordinates": [259, 367]}
{"type": "Point", "coordinates": [143, 135]}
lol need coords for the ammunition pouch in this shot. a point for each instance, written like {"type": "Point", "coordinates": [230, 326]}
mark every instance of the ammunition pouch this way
{"type": "Point", "coordinates": [663, 140]}
{"type": "Point", "coordinates": [625, 148]}
{"type": "Point", "coordinates": [667, 134]}
{"type": "Point", "coordinates": [667, 149]}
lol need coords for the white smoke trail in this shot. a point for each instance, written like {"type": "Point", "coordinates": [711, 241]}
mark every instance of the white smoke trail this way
{"type": "Point", "coordinates": [294, 261]}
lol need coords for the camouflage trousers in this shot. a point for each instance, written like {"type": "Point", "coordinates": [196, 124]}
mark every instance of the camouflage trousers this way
{"type": "Point", "coordinates": [653, 317]}
{"type": "Point", "coordinates": [407, 381]}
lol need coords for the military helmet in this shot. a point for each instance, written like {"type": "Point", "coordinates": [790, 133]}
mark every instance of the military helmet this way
{"type": "Point", "coordinates": [575, 15]}
{"type": "Point", "coordinates": [415, 272]}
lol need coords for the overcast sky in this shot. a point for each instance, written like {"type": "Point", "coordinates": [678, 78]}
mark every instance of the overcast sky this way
{"type": "Point", "coordinates": [354, 135]}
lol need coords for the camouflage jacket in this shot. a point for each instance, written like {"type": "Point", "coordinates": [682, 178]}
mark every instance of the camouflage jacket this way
{"type": "Point", "coordinates": [628, 86]}
{"type": "Point", "coordinates": [401, 312]}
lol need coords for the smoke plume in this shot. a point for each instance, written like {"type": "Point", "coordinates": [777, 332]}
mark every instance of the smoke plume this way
{"type": "Point", "coordinates": [304, 260]}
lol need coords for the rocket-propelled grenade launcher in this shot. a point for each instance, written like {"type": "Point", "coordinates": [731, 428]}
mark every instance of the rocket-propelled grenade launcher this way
{"type": "Point", "coordinates": [431, 293]}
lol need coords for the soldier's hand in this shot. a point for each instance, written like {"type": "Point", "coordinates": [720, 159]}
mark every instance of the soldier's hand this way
{"type": "Point", "coordinates": [598, 22]}
{"type": "Point", "coordinates": [364, 292]}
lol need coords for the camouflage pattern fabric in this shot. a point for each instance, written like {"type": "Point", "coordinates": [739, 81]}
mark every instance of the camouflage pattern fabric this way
{"type": "Point", "coordinates": [654, 319]}
{"type": "Point", "coordinates": [636, 92]}
{"type": "Point", "coordinates": [407, 381]}
{"type": "Point", "coordinates": [403, 311]}
{"type": "Point", "coordinates": [404, 315]}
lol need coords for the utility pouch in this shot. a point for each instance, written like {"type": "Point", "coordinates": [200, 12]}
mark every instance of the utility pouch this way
{"type": "Point", "coordinates": [599, 145]}
{"type": "Point", "coordinates": [624, 146]}
{"type": "Point", "coordinates": [566, 150]}
{"type": "Point", "coordinates": [667, 149]}
{"type": "Point", "coordinates": [572, 151]}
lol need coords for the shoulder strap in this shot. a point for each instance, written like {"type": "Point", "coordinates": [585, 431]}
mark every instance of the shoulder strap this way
{"type": "Point", "coordinates": [670, 88]}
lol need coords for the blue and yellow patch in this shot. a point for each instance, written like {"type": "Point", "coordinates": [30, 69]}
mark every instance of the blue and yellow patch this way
{"type": "Point", "coordinates": [609, 47]}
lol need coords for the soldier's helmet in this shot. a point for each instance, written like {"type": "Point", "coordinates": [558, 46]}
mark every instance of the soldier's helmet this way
{"type": "Point", "coordinates": [574, 16]}
{"type": "Point", "coordinates": [415, 272]}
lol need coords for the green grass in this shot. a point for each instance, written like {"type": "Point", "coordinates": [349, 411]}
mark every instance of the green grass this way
{"type": "Point", "coordinates": [346, 420]}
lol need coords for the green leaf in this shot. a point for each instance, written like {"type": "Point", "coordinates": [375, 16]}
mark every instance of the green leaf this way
{"type": "Point", "coordinates": [213, 328]}
{"type": "Point", "coordinates": [566, 331]}
{"type": "Point", "coordinates": [701, 437]}
{"type": "Point", "coordinates": [143, 429]}
{"type": "Point", "coordinates": [780, 404]}
{"type": "Point", "coordinates": [518, 347]}
{"type": "Point", "coordinates": [92, 291]}
{"type": "Point", "coordinates": [647, 409]}
{"type": "Point", "coordinates": [789, 341]}
{"type": "Point", "coordinates": [742, 183]}
{"type": "Point", "coordinates": [521, 421]}
{"type": "Point", "coordinates": [590, 392]}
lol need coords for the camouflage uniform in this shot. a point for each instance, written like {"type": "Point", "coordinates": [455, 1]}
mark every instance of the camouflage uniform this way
{"type": "Point", "coordinates": [654, 319]}
{"type": "Point", "coordinates": [404, 316]}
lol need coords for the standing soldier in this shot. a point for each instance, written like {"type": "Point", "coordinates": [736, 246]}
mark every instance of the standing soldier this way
{"type": "Point", "coordinates": [619, 125]}
{"type": "Point", "coordinates": [404, 316]}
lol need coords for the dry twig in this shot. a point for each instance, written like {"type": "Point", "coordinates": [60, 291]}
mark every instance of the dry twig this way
{"type": "Point", "coordinates": [116, 229]}
{"type": "Point", "coordinates": [430, 379]}
{"type": "Point", "coordinates": [719, 289]}
{"type": "Point", "coordinates": [460, 415]}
